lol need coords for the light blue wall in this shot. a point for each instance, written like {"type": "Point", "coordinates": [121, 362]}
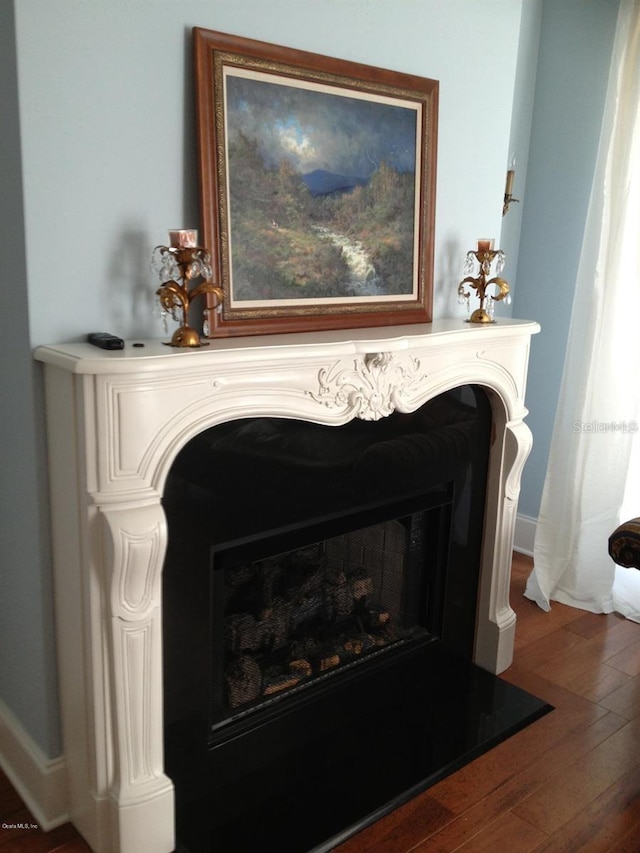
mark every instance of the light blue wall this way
{"type": "Point", "coordinates": [27, 653]}
{"type": "Point", "coordinates": [575, 49]}
{"type": "Point", "coordinates": [521, 122]}
{"type": "Point", "coordinates": [107, 154]}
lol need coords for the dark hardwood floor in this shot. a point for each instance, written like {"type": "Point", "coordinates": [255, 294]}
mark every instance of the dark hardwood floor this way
{"type": "Point", "coordinates": [570, 782]}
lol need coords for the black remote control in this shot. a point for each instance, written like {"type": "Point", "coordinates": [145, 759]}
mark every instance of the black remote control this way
{"type": "Point", "coordinates": [105, 340]}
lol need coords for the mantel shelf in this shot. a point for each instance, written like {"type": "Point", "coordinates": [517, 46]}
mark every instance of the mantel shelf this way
{"type": "Point", "coordinates": [154, 354]}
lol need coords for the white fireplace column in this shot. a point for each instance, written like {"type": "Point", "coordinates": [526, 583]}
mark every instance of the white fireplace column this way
{"type": "Point", "coordinates": [116, 421]}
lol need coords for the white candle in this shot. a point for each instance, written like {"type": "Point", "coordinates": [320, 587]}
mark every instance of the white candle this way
{"type": "Point", "coordinates": [508, 190]}
{"type": "Point", "coordinates": [183, 238]}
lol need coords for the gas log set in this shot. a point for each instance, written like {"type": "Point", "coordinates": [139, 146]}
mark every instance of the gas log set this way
{"type": "Point", "coordinates": [296, 616]}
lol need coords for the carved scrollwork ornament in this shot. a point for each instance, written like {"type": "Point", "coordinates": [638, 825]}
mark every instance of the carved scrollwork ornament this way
{"type": "Point", "coordinates": [372, 388]}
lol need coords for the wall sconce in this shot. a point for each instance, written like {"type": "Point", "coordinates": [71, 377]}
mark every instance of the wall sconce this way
{"type": "Point", "coordinates": [484, 255]}
{"type": "Point", "coordinates": [508, 189]}
{"type": "Point", "coordinates": [178, 266]}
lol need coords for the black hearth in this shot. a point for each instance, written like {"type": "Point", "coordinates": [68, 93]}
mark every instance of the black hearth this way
{"type": "Point", "coordinates": [319, 612]}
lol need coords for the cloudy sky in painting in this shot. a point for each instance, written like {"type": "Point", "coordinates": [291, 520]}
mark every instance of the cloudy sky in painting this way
{"type": "Point", "coordinates": [320, 130]}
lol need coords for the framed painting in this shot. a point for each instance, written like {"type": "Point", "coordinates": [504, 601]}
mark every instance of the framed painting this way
{"type": "Point", "coordinates": [317, 188]}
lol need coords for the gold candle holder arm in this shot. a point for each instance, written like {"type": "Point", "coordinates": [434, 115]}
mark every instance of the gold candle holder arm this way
{"type": "Point", "coordinates": [503, 288]}
{"type": "Point", "coordinates": [508, 200]}
{"type": "Point", "coordinates": [172, 296]}
{"type": "Point", "coordinates": [463, 293]}
{"type": "Point", "coordinates": [209, 287]}
{"type": "Point", "coordinates": [469, 279]}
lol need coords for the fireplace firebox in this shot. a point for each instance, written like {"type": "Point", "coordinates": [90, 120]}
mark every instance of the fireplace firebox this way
{"type": "Point", "coordinates": [320, 587]}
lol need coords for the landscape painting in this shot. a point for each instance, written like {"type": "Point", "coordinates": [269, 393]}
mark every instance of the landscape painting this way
{"type": "Point", "coordinates": [323, 195]}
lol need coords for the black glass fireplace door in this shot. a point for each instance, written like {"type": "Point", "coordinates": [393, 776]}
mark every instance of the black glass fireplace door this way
{"type": "Point", "coordinates": [297, 619]}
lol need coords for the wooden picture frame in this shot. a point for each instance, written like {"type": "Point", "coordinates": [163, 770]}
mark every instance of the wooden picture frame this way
{"type": "Point", "coordinates": [317, 188]}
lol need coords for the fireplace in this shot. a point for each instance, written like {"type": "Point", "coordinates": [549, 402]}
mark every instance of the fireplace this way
{"type": "Point", "coordinates": [140, 434]}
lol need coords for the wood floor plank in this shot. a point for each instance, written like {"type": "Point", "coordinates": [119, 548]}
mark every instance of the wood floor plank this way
{"type": "Point", "coordinates": [555, 645]}
{"type": "Point", "coordinates": [563, 742]}
{"type": "Point", "coordinates": [593, 624]}
{"type": "Point", "coordinates": [612, 816]}
{"type": "Point", "coordinates": [621, 636]}
{"type": "Point", "coordinates": [629, 844]}
{"type": "Point", "coordinates": [555, 694]}
{"type": "Point", "coordinates": [508, 832]}
{"type": "Point", "coordinates": [625, 700]}
{"type": "Point", "coordinates": [627, 660]}
{"type": "Point", "coordinates": [401, 830]}
{"type": "Point", "coordinates": [10, 802]}
{"type": "Point", "coordinates": [586, 666]}
{"type": "Point", "coordinates": [597, 682]}
{"type": "Point", "coordinates": [578, 785]}
{"type": "Point", "coordinates": [531, 627]}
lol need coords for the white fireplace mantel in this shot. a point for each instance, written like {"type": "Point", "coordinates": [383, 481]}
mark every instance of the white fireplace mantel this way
{"type": "Point", "coordinates": [116, 421]}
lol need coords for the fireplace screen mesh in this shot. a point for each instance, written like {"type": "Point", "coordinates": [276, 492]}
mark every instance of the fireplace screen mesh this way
{"type": "Point", "coordinates": [298, 616]}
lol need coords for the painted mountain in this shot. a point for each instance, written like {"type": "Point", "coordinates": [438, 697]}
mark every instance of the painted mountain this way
{"type": "Point", "coordinates": [323, 182]}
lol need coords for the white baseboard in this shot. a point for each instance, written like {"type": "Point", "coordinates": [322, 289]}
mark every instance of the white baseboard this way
{"type": "Point", "coordinates": [40, 781]}
{"type": "Point", "coordinates": [525, 534]}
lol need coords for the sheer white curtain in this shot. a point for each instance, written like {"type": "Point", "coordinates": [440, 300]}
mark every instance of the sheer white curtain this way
{"type": "Point", "coordinates": [593, 476]}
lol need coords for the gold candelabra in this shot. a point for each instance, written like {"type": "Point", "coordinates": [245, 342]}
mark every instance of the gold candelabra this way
{"type": "Point", "coordinates": [178, 266]}
{"type": "Point", "coordinates": [484, 255]}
